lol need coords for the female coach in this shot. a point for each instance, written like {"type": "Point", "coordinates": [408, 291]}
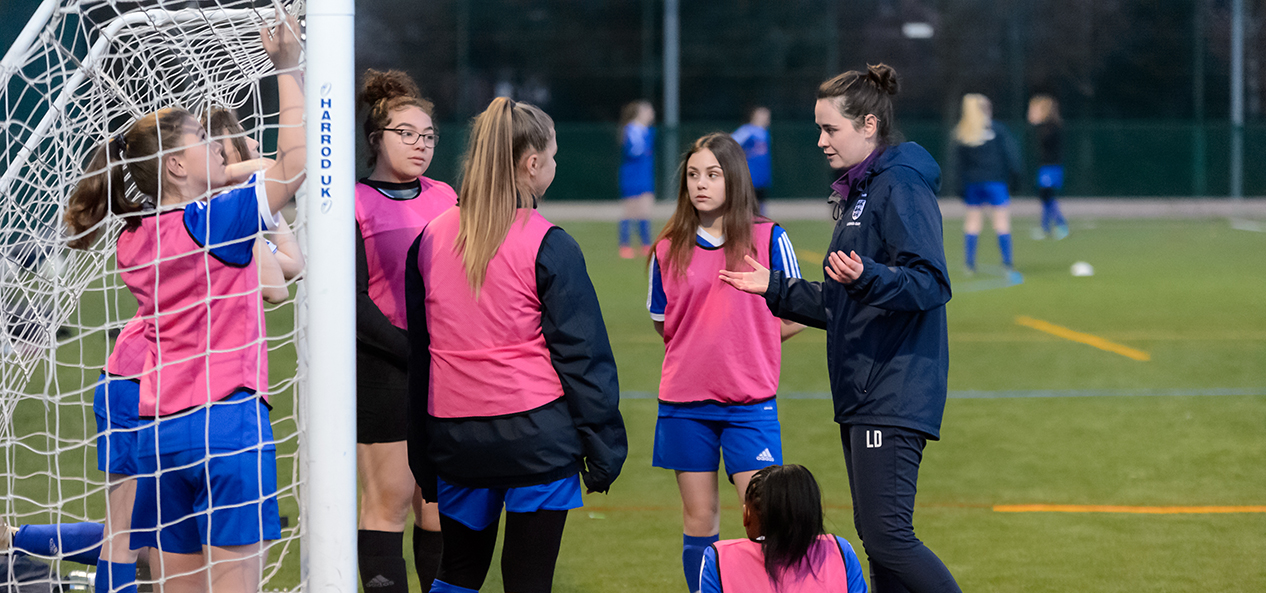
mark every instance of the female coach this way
{"type": "Point", "coordinates": [883, 309]}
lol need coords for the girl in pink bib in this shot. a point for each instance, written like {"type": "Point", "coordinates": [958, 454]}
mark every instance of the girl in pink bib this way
{"type": "Point", "coordinates": [787, 547]}
{"type": "Point", "coordinates": [513, 395]}
{"type": "Point", "coordinates": [186, 255]}
{"type": "Point", "coordinates": [393, 205]}
{"type": "Point", "coordinates": [722, 348]}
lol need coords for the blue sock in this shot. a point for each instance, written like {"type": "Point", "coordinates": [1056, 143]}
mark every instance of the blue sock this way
{"type": "Point", "coordinates": [644, 231]}
{"type": "Point", "coordinates": [969, 245]}
{"type": "Point", "coordinates": [115, 577]}
{"type": "Point", "coordinates": [441, 587]}
{"type": "Point", "coordinates": [692, 549]}
{"type": "Point", "coordinates": [624, 232]}
{"type": "Point", "coordinates": [1004, 245]}
{"type": "Point", "coordinates": [1047, 207]}
{"type": "Point", "coordinates": [81, 542]}
{"type": "Point", "coordinates": [1056, 214]}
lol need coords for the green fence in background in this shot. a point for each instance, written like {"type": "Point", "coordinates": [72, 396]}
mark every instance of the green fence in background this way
{"type": "Point", "coordinates": [1103, 158]}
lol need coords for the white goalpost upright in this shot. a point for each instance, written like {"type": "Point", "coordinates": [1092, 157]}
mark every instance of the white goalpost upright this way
{"type": "Point", "coordinates": [75, 78]}
{"type": "Point", "coordinates": [329, 547]}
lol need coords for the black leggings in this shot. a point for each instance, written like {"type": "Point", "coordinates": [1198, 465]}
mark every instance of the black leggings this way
{"type": "Point", "coordinates": [528, 555]}
{"type": "Point", "coordinates": [883, 474]}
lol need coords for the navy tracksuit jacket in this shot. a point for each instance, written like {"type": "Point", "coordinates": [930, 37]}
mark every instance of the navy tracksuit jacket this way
{"type": "Point", "coordinates": [886, 338]}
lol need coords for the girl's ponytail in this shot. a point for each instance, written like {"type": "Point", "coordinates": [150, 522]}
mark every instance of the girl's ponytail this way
{"type": "Point", "coordinates": [98, 193]}
{"type": "Point", "coordinates": [489, 199]}
{"type": "Point", "coordinates": [102, 191]}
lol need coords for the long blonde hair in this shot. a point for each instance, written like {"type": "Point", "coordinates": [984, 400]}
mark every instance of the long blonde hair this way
{"type": "Point", "coordinates": [975, 127]}
{"type": "Point", "coordinates": [490, 197]}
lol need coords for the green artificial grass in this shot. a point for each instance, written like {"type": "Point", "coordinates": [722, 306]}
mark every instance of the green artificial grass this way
{"type": "Point", "coordinates": [1032, 419]}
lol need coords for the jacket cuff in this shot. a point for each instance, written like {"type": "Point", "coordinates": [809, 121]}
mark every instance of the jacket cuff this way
{"type": "Point", "coordinates": [863, 282]}
{"type": "Point", "coordinates": [773, 293]}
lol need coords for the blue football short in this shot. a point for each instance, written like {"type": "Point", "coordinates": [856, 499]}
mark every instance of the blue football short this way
{"type": "Point", "coordinates": [696, 445]}
{"type": "Point", "coordinates": [992, 193]}
{"type": "Point", "coordinates": [224, 494]}
{"type": "Point", "coordinates": [116, 404]}
{"type": "Point", "coordinates": [1050, 177]}
{"type": "Point", "coordinates": [477, 508]}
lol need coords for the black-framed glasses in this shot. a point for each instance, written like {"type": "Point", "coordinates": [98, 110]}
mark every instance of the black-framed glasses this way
{"type": "Point", "coordinates": [411, 137]}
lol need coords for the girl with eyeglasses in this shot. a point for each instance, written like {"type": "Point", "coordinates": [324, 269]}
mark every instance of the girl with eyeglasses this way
{"type": "Point", "coordinates": [392, 206]}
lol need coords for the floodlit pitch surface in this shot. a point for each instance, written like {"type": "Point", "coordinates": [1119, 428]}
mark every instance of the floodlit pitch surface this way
{"type": "Point", "coordinates": [1034, 419]}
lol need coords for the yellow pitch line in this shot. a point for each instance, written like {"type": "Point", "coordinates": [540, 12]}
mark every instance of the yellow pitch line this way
{"type": "Point", "coordinates": [1087, 339]}
{"type": "Point", "coordinates": [1099, 508]}
{"type": "Point", "coordinates": [809, 255]}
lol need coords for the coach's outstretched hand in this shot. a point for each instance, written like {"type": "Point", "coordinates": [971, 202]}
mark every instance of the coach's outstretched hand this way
{"type": "Point", "coordinates": [755, 282]}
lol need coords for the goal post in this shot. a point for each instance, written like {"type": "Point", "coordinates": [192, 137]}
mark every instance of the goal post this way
{"type": "Point", "coordinates": [329, 550]}
{"type": "Point", "coordinates": [72, 80]}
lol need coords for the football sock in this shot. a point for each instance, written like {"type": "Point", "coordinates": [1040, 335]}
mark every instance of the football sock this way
{"type": "Point", "coordinates": [427, 548]}
{"type": "Point", "coordinates": [1004, 245]}
{"type": "Point", "coordinates": [80, 542]}
{"type": "Point", "coordinates": [624, 231]}
{"type": "Point", "coordinates": [969, 245]}
{"type": "Point", "coordinates": [644, 231]}
{"type": "Point", "coordinates": [382, 568]}
{"type": "Point", "coordinates": [115, 577]}
{"type": "Point", "coordinates": [692, 549]}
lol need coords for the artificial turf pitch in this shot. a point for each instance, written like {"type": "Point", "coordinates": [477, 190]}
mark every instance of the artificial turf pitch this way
{"type": "Point", "coordinates": [1032, 418]}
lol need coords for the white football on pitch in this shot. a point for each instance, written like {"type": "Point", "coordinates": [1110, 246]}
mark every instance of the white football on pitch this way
{"type": "Point", "coordinates": [1082, 268]}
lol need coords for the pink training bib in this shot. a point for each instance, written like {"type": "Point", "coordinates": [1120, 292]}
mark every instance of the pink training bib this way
{"type": "Point", "coordinates": [130, 350]}
{"type": "Point", "coordinates": [206, 338]}
{"type": "Point", "coordinates": [488, 356]}
{"type": "Point", "coordinates": [389, 228]}
{"type": "Point", "coordinates": [720, 344]}
{"type": "Point", "coordinates": [741, 564]}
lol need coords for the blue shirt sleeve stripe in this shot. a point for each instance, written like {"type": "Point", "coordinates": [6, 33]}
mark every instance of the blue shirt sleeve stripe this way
{"type": "Point", "coordinates": [656, 300]}
{"type": "Point", "coordinates": [782, 255]}
{"type": "Point", "coordinates": [709, 576]}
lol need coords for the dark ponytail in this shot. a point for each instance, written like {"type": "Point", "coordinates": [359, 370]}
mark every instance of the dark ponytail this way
{"type": "Point", "coordinates": [103, 191]}
{"type": "Point", "coordinates": [383, 93]}
{"type": "Point", "coordinates": [789, 504]}
{"type": "Point", "coordinates": [858, 94]}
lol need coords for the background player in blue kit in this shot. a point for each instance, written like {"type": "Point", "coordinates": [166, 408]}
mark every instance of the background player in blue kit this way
{"type": "Point", "coordinates": [722, 348]}
{"type": "Point", "coordinates": [753, 136]}
{"type": "Point", "coordinates": [1048, 131]}
{"type": "Point", "coordinates": [988, 161]}
{"type": "Point", "coordinates": [637, 174]}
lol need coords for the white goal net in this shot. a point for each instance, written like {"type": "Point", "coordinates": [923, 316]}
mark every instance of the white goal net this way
{"type": "Point", "coordinates": [80, 73]}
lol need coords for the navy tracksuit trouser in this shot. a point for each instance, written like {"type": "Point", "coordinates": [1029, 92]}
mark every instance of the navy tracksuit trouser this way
{"type": "Point", "coordinates": [883, 475]}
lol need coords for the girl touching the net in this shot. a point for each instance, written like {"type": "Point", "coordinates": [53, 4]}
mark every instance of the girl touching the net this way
{"type": "Point", "coordinates": [393, 204]}
{"type": "Point", "coordinates": [186, 253]}
{"type": "Point", "coordinates": [513, 394]}
{"type": "Point", "coordinates": [787, 547]}
{"type": "Point", "coordinates": [280, 258]}
{"type": "Point", "coordinates": [722, 348]}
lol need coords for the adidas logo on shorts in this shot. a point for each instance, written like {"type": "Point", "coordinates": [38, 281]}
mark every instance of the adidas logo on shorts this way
{"type": "Point", "coordinates": [379, 581]}
{"type": "Point", "coordinates": [765, 456]}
